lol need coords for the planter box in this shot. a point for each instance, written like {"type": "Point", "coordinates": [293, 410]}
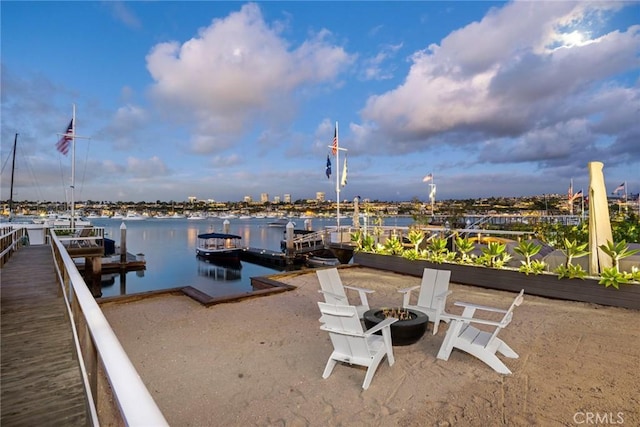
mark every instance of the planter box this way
{"type": "Point", "coordinates": [544, 285]}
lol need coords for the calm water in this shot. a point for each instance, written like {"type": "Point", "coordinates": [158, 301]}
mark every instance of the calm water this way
{"type": "Point", "coordinates": [169, 247]}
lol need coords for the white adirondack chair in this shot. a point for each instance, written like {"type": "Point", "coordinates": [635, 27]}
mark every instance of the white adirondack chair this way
{"type": "Point", "coordinates": [434, 290]}
{"type": "Point", "coordinates": [351, 344]}
{"type": "Point", "coordinates": [481, 344]}
{"type": "Point", "coordinates": [334, 291]}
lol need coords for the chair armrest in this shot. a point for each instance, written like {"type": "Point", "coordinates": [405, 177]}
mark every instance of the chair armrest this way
{"type": "Point", "coordinates": [407, 290]}
{"type": "Point", "coordinates": [386, 322]}
{"type": "Point", "coordinates": [353, 288]}
{"type": "Point", "coordinates": [474, 320]}
{"type": "Point", "coordinates": [479, 307]}
{"type": "Point", "coordinates": [443, 295]}
{"type": "Point", "coordinates": [336, 296]}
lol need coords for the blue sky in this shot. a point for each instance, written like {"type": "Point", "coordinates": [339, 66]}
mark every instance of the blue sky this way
{"type": "Point", "coordinates": [222, 100]}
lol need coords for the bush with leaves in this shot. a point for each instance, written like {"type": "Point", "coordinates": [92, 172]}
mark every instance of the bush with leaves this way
{"type": "Point", "coordinates": [494, 255]}
{"type": "Point", "coordinates": [438, 252]}
{"type": "Point", "coordinates": [612, 277]}
{"type": "Point", "coordinates": [393, 246]}
{"type": "Point", "coordinates": [416, 237]}
{"type": "Point", "coordinates": [464, 246]}
{"type": "Point", "coordinates": [618, 251]}
{"type": "Point", "coordinates": [626, 227]}
{"type": "Point", "coordinates": [529, 249]}
{"type": "Point", "coordinates": [572, 249]}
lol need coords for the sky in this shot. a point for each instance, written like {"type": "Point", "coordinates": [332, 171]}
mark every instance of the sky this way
{"type": "Point", "coordinates": [222, 100]}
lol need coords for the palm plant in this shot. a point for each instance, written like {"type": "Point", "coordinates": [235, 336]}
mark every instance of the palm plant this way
{"type": "Point", "coordinates": [464, 246]}
{"type": "Point", "coordinates": [617, 252]}
{"type": "Point", "coordinates": [529, 249]}
{"type": "Point", "coordinates": [572, 249]}
{"type": "Point", "coordinates": [416, 237]}
{"type": "Point", "coordinates": [494, 255]}
{"type": "Point", "coordinates": [438, 251]}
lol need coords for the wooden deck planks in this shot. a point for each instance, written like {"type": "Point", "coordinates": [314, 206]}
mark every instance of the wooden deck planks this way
{"type": "Point", "coordinates": [40, 378]}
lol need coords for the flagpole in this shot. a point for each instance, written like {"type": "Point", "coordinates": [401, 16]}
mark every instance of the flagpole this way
{"type": "Point", "coordinates": [433, 198]}
{"type": "Point", "coordinates": [335, 148]}
{"type": "Point", "coordinates": [571, 197]}
{"type": "Point", "coordinates": [338, 179]}
{"type": "Point", "coordinates": [70, 134]}
{"type": "Point", "coordinates": [73, 168]}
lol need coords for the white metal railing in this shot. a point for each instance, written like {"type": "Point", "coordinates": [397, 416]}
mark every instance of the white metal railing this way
{"type": "Point", "coordinates": [96, 342]}
{"type": "Point", "coordinates": [310, 240]}
{"type": "Point", "coordinates": [10, 240]}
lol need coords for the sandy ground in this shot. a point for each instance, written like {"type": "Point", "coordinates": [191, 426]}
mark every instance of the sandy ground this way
{"type": "Point", "coordinates": [260, 362]}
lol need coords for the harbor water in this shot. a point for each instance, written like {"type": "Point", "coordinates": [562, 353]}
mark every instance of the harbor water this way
{"type": "Point", "coordinates": [169, 248]}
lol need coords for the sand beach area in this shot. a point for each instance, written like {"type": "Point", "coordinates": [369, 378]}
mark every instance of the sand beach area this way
{"type": "Point", "coordinates": [260, 362]}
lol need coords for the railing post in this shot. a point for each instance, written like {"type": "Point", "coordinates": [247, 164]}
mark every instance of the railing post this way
{"type": "Point", "coordinates": [88, 349]}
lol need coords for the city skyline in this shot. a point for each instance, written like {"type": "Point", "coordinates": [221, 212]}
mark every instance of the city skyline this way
{"type": "Point", "coordinates": [220, 100]}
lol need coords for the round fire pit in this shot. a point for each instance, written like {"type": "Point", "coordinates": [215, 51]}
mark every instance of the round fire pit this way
{"type": "Point", "coordinates": [404, 331]}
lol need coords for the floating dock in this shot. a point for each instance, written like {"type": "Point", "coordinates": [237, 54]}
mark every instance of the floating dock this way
{"type": "Point", "coordinates": [269, 258]}
{"type": "Point", "coordinates": [112, 264]}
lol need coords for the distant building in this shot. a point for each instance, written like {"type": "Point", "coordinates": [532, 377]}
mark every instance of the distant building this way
{"type": "Point", "coordinates": [276, 199]}
{"type": "Point", "coordinates": [264, 197]}
{"type": "Point", "coordinates": [287, 198]}
{"type": "Point", "coordinates": [192, 199]}
{"type": "Point", "coordinates": [247, 199]}
{"type": "Point", "coordinates": [320, 196]}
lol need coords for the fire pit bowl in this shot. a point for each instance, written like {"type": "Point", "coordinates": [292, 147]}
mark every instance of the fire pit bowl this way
{"type": "Point", "coordinates": [408, 330]}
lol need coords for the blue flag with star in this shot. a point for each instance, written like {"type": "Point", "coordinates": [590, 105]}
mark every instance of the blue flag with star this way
{"type": "Point", "coordinates": [328, 171]}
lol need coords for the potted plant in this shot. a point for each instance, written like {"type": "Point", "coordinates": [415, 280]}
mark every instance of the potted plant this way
{"type": "Point", "coordinates": [489, 270]}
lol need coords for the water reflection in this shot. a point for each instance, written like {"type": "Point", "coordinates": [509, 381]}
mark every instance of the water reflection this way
{"type": "Point", "coordinates": [220, 270]}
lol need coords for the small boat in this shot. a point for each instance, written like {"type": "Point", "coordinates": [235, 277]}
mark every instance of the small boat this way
{"type": "Point", "coordinates": [319, 261]}
{"type": "Point", "coordinates": [219, 246]}
{"type": "Point", "coordinates": [196, 216]}
{"type": "Point", "coordinates": [280, 222]}
{"type": "Point", "coordinates": [134, 216]}
{"type": "Point", "coordinates": [323, 258]}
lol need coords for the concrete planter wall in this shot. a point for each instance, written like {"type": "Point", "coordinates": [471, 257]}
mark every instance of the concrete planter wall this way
{"type": "Point", "coordinates": [544, 285]}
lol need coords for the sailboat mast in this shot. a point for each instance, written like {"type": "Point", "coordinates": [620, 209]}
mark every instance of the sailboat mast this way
{"type": "Point", "coordinates": [13, 170]}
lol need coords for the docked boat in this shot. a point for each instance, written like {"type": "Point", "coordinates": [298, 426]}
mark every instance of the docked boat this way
{"type": "Point", "coordinates": [196, 216]}
{"type": "Point", "coordinates": [280, 222]}
{"type": "Point", "coordinates": [320, 261]}
{"type": "Point", "coordinates": [219, 246]}
{"type": "Point", "coordinates": [134, 216]}
{"type": "Point", "coordinates": [324, 258]}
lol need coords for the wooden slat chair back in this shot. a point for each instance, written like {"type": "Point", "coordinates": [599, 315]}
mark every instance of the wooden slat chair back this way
{"type": "Point", "coordinates": [334, 291]}
{"type": "Point", "coordinates": [432, 297]}
{"type": "Point", "coordinates": [351, 344]}
{"type": "Point", "coordinates": [479, 343]}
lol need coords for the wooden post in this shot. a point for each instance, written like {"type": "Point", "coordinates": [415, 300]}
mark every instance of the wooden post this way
{"type": "Point", "coordinates": [96, 276]}
{"type": "Point", "coordinates": [123, 243]}
{"type": "Point", "coordinates": [289, 237]}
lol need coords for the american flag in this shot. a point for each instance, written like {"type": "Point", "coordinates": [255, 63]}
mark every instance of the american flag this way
{"type": "Point", "coordinates": [334, 149]}
{"type": "Point", "coordinates": [428, 178]}
{"type": "Point", "coordinates": [65, 140]}
{"type": "Point", "coordinates": [619, 188]}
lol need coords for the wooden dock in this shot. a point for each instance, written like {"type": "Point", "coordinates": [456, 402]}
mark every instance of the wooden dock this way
{"type": "Point", "coordinates": [266, 257]}
{"type": "Point", "coordinates": [40, 375]}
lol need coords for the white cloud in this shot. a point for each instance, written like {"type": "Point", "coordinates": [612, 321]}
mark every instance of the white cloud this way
{"type": "Point", "coordinates": [498, 78]}
{"type": "Point", "coordinates": [126, 124]}
{"type": "Point", "coordinates": [237, 69]}
{"type": "Point", "coordinates": [146, 168]}
{"type": "Point", "coordinates": [124, 14]}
